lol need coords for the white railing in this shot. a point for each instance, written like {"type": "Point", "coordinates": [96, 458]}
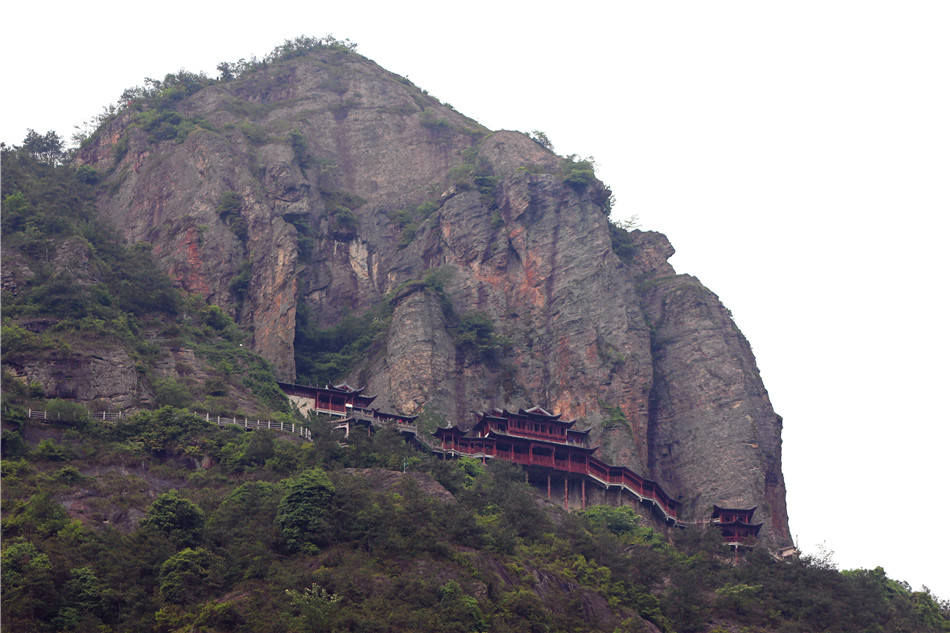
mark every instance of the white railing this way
{"type": "Point", "coordinates": [291, 427]}
{"type": "Point", "coordinates": [286, 427]}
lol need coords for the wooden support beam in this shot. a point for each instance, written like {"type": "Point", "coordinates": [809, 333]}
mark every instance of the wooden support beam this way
{"type": "Point", "coordinates": [565, 492]}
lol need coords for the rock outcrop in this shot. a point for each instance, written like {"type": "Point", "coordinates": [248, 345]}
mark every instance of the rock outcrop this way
{"type": "Point", "coordinates": [323, 180]}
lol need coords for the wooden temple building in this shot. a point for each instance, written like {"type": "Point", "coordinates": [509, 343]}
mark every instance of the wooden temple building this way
{"type": "Point", "coordinates": [735, 524]}
{"type": "Point", "coordinates": [342, 401]}
{"type": "Point", "coordinates": [331, 399]}
{"type": "Point", "coordinates": [555, 455]}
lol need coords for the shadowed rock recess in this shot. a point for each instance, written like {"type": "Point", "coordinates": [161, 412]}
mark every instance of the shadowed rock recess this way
{"type": "Point", "coordinates": [325, 187]}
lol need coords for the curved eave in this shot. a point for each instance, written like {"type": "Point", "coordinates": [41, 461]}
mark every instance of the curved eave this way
{"type": "Point", "coordinates": [540, 413]}
{"type": "Point", "coordinates": [717, 510]}
{"type": "Point", "coordinates": [290, 386]}
{"type": "Point", "coordinates": [494, 433]}
{"type": "Point", "coordinates": [742, 527]}
{"type": "Point", "coordinates": [408, 419]}
{"type": "Point", "coordinates": [345, 388]}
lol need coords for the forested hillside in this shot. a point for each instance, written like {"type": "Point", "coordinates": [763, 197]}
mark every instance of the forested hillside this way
{"type": "Point", "coordinates": [163, 522]}
{"type": "Point", "coordinates": [88, 319]}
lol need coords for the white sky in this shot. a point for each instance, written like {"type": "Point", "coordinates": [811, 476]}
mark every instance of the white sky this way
{"type": "Point", "coordinates": [796, 154]}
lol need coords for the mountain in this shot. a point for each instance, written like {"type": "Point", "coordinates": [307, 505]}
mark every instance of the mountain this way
{"type": "Point", "coordinates": [348, 226]}
{"type": "Point", "coordinates": [319, 197]}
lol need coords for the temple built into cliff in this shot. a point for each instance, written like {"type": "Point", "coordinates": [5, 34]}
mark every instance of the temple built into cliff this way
{"type": "Point", "coordinates": [556, 456]}
{"type": "Point", "coordinates": [735, 524]}
{"type": "Point", "coordinates": [340, 400]}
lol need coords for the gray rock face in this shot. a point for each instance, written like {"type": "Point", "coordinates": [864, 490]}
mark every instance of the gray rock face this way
{"type": "Point", "coordinates": [713, 432]}
{"type": "Point", "coordinates": [323, 153]}
{"type": "Point", "coordinates": [109, 375]}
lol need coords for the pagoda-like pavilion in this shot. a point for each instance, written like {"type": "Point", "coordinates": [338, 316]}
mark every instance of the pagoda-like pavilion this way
{"type": "Point", "coordinates": [549, 447]}
{"type": "Point", "coordinates": [735, 524]}
{"type": "Point", "coordinates": [331, 399]}
{"type": "Point", "coordinates": [343, 401]}
{"type": "Point", "coordinates": [551, 450]}
{"type": "Point", "coordinates": [528, 437]}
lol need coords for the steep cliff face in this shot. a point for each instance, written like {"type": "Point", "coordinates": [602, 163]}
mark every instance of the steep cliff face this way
{"type": "Point", "coordinates": [326, 181]}
{"type": "Point", "coordinates": [713, 433]}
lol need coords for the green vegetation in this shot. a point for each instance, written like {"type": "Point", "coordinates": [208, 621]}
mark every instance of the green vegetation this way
{"type": "Point", "coordinates": [615, 416]}
{"type": "Point", "coordinates": [475, 335]}
{"type": "Point", "coordinates": [301, 152]}
{"type": "Point", "coordinates": [242, 280]}
{"type": "Point", "coordinates": [254, 133]}
{"type": "Point", "coordinates": [46, 148]}
{"type": "Point", "coordinates": [472, 332]}
{"type": "Point", "coordinates": [229, 210]}
{"type": "Point", "coordinates": [541, 139]}
{"type": "Point", "coordinates": [475, 173]}
{"type": "Point", "coordinates": [163, 125]}
{"type": "Point", "coordinates": [154, 104]}
{"type": "Point", "coordinates": [277, 535]}
{"type": "Point", "coordinates": [164, 94]}
{"type": "Point", "coordinates": [288, 50]}
{"type": "Point", "coordinates": [48, 216]}
{"type": "Point", "coordinates": [82, 291]}
{"type": "Point", "coordinates": [302, 512]}
{"type": "Point", "coordinates": [328, 354]}
{"type": "Point", "coordinates": [439, 128]}
{"type": "Point", "coordinates": [176, 518]}
{"type": "Point", "coordinates": [621, 239]}
{"type": "Point", "coordinates": [578, 172]}
{"type": "Point", "coordinates": [409, 221]}
{"type": "Point", "coordinates": [341, 206]}
{"type": "Point", "coordinates": [441, 131]}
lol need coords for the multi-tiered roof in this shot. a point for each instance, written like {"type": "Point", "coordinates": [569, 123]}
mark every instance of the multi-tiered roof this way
{"type": "Point", "coordinates": [331, 399]}
{"type": "Point", "coordinates": [543, 442]}
{"type": "Point", "coordinates": [735, 523]}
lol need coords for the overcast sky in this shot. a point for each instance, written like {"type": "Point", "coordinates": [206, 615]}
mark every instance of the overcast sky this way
{"type": "Point", "coordinates": [796, 154]}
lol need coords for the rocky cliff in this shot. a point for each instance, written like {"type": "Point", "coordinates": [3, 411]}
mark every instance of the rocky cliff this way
{"type": "Point", "coordinates": [324, 184]}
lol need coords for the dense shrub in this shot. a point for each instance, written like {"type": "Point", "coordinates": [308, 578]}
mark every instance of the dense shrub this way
{"type": "Point", "coordinates": [302, 514]}
{"type": "Point", "coordinates": [176, 517]}
{"type": "Point", "coordinates": [328, 354]}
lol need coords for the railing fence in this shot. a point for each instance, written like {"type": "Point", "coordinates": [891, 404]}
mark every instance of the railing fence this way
{"type": "Point", "coordinates": [247, 423]}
